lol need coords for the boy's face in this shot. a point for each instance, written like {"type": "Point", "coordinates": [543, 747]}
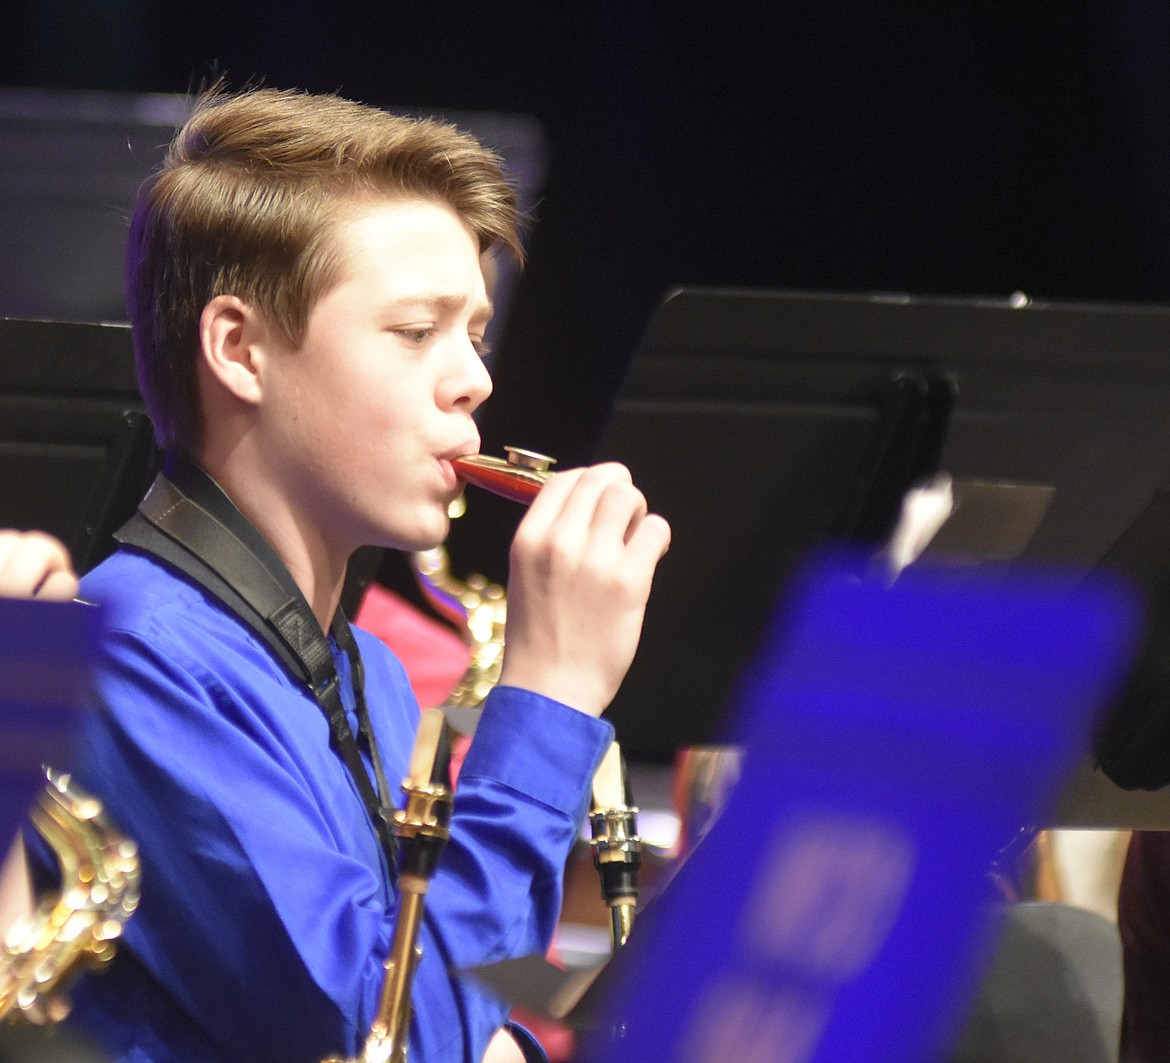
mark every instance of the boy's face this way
{"type": "Point", "coordinates": [363, 419]}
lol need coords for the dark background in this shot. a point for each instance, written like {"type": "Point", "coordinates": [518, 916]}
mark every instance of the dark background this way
{"type": "Point", "coordinates": [928, 148]}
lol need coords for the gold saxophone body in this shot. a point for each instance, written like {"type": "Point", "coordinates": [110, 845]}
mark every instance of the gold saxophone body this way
{"type": "Point", "coordinates": [422, 828]}
{"type": "Point", "coordinates": [78, 926]}
{"type": "Point", "coordinates": [480, 610]}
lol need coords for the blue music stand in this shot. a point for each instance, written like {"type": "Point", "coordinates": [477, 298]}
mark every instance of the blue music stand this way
{"type": "Point", "coordinates": [896, 736]}
{"type": "Point", "coordinates": [47, 651]}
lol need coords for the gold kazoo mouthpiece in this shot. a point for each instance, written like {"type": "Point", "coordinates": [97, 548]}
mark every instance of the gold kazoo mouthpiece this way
{"type": "Point", "coordinates": [519, 476]}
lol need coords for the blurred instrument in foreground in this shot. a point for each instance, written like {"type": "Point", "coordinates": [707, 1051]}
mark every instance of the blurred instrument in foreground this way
{"type": "Point", "coordinates": [78, 927]}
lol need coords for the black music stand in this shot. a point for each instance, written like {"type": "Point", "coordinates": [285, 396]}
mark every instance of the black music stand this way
{"type": "Point", "coordinates": [766, 424]}
{"type": "Point", "coordinates": [76, 453]}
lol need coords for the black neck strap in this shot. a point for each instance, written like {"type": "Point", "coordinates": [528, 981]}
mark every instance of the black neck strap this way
{"type": "Point", "coordinates": [187, 521]}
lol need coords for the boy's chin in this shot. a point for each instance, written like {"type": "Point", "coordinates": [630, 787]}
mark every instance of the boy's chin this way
{"type": "Point", "coordinates": [421, 539]}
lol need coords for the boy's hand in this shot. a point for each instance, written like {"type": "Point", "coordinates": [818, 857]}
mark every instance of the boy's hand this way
{"type": "Point", "coordinates": [582, 563]}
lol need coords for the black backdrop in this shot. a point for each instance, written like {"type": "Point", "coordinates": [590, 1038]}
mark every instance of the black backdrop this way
{"type": "Point", "coordinates": [958, 148]}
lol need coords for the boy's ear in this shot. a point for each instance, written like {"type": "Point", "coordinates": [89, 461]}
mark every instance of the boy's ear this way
{"type": "Point", "coordinates": [230, 334]}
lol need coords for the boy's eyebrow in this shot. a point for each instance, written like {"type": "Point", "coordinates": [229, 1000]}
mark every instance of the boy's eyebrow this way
{"type": "Point", "coordinates": [444, 301]}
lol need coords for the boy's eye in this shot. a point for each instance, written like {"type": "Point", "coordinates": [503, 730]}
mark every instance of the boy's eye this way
{"type": "Point", "coordinates": [415, 335]}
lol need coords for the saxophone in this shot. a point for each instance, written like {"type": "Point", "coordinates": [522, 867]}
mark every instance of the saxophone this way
{"type": "Point", "coordinates": [480, 610]}
{"type": "Point", "coordinates": [78, 927]}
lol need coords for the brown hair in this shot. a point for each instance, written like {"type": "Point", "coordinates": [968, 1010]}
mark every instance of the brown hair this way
{"type": "Point", "coordinates": [245, 203]}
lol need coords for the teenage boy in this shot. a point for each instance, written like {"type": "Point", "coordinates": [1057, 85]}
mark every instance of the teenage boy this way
{"type": "Point", "coordinates": [306, 289]}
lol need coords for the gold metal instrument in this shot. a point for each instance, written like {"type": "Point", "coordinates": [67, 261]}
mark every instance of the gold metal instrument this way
{"type": "Point", "coordinates": [479, 609]}
{"type": "Point", "coordinates": [77, 928]}
{"type": "Point", "coordinates": [422, 827]}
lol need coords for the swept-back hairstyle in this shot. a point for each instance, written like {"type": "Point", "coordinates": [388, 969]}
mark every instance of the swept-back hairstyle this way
{"type": "Point", "coordinates": [245, 204]}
